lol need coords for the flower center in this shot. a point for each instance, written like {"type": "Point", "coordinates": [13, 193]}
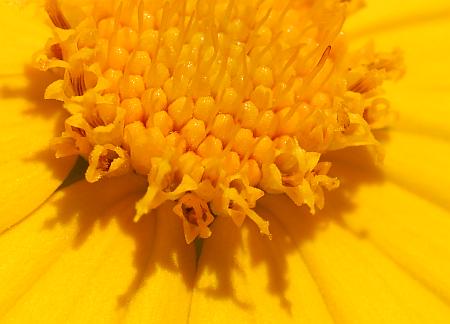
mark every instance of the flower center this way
{"type": "Point", "coordinates": [216, 102]}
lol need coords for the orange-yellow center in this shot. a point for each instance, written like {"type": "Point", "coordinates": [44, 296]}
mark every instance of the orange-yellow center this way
{"type": "Point", "coordinates": [215, 102]}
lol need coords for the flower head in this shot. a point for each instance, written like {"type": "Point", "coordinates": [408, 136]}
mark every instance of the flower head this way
{"type": "Point", "coordinates": [209, 101]}
{"type": "Point", "coordinates": [377, 252]}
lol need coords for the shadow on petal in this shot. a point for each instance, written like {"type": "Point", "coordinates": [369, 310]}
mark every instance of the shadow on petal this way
{"type": "Point", "coordinates": [30, 86]}
{"type": "Point", "coordinates": [243, 269]}
{"type": "Point", "coordinates": [160, 254]}
{"type": "Point", "coordinates": [28, 123]}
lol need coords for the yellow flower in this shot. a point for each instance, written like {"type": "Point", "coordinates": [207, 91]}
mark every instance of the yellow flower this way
{"type": "Point", "coordinates": [378, 252]}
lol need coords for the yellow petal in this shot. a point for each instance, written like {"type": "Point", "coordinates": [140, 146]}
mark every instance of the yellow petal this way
{"type": "Point", "coordinates": [385, 16]}
{"type": "Point", "coordinates": [29, 170]}
{"type": "Point", "coordinates": [421, 110]}
{"type": "Point", "coordinates": [60, 226]}
{"type": "Point", "coordinates": [408, 228]}
{"type": "Point", "coordinates": [360, 283]}
{"type": "Point", "coordinates": [24, 31]}
{"type": "Point", "coordinates": [246, 277]}
{"type": "Point", "coordinates": [416, 163]}
{"type": "Point", "coordinates": [80, 257]}
{"type": "Point", "coordinates": [418, 152]}
{"type": "Point", "coordinates": [420, 165]}
{"type": "Point", "coordinates": [165, 291]}
{"type": "Point", "coordinates": [422, 96]}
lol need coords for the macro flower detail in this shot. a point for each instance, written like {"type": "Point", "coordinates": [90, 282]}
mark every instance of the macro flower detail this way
{"type": "Point", "coordinates": [209, 101]}
{"type": "Point", "coordinates": [377, 252]}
